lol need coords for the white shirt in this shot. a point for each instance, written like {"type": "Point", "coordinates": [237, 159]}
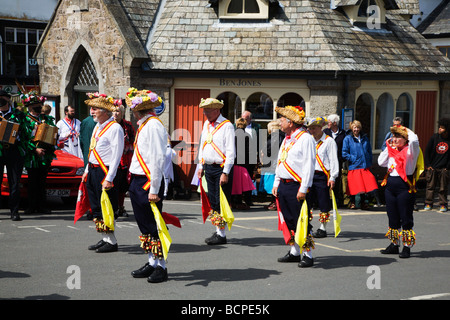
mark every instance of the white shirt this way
{"type": "Point", "coordinates": [411, 156]}
{"type": "Point", "coordinates": [223, 139]}
{"type": "Point", "coordinates": [328, 154]}
{"type": "Point", "coordinates": [301, 158]}
{"type": "Point", "coordinates": [152, 144]}
{"type": "Point", "coordinates": [71, 144]}
{"type": "Point", "coordinates": [109, 147]}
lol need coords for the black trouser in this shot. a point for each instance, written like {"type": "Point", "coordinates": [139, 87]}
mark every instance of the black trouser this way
{"type": "Point", "coordinates": [399, 203]}
{"type": "Point", "coordinates": [319, 192]}
{"type": "Point", "coordinates": [212, 176]}
{"type": "Point", "coordinates": [94, 188]}
{"type": "Point", "coordinates": [141, 206]}
{"type": "Point", "coordinates": [289, 206]}
{"type": "Point", "coordinates": [13, 161]}
{"type": "Point", "coordinates": [37, 187]}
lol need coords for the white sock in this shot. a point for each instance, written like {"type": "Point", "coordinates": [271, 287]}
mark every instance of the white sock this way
{"type": "Point", "coordinates": [110, 238]}
{"type": "Point", "coordinates": [220, 232]}
{"type": "Point", "coordinates": [295, 250]}
{"type": "Point", "coordinates": [151, 260]}
{"type": "Point", "coordinates": [162, 263]}
{"type": "Point", "coordinates": [323, 226]}
{"type": "Point", "coordinates": [308, 254]}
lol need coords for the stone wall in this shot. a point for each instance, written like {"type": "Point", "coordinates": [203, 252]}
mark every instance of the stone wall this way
{"type": "Point", "coordinates": [73, 31]}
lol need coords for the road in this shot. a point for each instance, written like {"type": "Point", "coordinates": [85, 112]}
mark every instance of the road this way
{"type": "Point", "coordinates": [46, 257]}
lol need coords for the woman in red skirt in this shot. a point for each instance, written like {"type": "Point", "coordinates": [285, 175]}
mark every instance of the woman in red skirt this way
{"type": "Point", "coordinates": [357, 151]}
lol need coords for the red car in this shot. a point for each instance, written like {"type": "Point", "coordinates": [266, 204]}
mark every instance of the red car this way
{"type": "Point", "coordinates": [63, 180]}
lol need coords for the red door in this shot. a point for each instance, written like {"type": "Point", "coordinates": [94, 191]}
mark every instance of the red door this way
{"type": "Point", "coordinates": [188, 125]}
{"type": "Point", "coordinates": [425, 116]}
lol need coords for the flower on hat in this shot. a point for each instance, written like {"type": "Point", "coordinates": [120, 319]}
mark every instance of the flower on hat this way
{"type": "Point", "coordinates": [298, 110]}
{"type": "Point", "coordinates": [138, 97]}
{"type": "Point", "coordinates": [32, 97]}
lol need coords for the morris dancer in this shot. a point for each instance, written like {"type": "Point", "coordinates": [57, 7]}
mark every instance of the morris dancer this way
{"type": "Point", "coordinates": [400, 157]}
{"type": "Point", "coordinates": [147, 179]}
{"type": "Point", "coordinates": [293, 176]}
{"type": "Point", "coordinates": [12, 155]}
{"type": "Point", "coordinates": [217, 153]}
{"type": "Point", "coordinates": [39, 156]}
{"type": "Point", "coordinates": [325, 174]}
{"type": "Point", "coordinates": [69, 133]}
{"type": "Point", "coordinates": [105, 152]}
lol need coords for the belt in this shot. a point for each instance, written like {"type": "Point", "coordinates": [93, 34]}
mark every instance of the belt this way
{"type": "Point", "coordinates": [92, 165]}
{"type": "Point", "coordinates": [288, 180]}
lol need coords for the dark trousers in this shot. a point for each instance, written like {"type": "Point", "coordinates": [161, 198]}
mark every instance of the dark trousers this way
{"type": "Point", "coordinates": [212, 176]}
{"type": "Point", "coordinates": [14, 164]}
{"type": "Point", "coordinates": [94, 188]}
{"type": "Point", "coordinates": [141, 206]}
{"type": "Point", "coordinates": [289, 206]}
{"type": "Point", "coordinates": [437, 177]}
{"type": "Point", "coordinates": [399, 203]}
{"type": "Point", "coordinates": [319, 193]}
{"type": "Point", "coordinates": [36, 187]}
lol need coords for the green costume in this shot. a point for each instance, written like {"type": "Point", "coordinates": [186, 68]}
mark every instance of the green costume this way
{"type": "Point", "coordinates": [32, 160]}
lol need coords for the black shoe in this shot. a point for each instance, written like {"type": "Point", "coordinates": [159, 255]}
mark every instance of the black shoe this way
{"type": "Point", "coordinates": [107, 247]}
{"type": "Point", "coordinates": [391, 249]}
{"type": "Point", "coordinates": [306, 262]}
{"type": "Point", "coordinates": [289, 258]}
{"type": "Point", "coordinates": [15, 217]}
{"type": "Point", "coordinates": [30, 211]}
{"type": "Point", "coordinates": [320, 234]}
{"type": "Point", "coordinates": [97, 245]}
{"type": "Point", "coordinates": [143, 272]}
{"type": "Point", "coordinates": [216, 239]}
{"type": "Point", "coordinates": [159, 275]}
{"type": "Point", "coordinates": [406, 252]}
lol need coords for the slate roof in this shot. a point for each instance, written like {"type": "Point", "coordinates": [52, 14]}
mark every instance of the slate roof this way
{"type": "Point", "coordinates": [313, 37]}
{"type": "Point", "coordinates": [437, 24]}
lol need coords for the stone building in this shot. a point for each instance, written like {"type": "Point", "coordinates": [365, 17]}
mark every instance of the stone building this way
{"type": "Point", "coordinates": [361, 57]}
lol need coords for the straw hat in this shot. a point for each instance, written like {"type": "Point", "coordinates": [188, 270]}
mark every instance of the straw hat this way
{"type": "Point", "coordinates": [317, 121]}
{"type": "Point", "coordinates": [139, 100]}
{"type": "Point", "coordinates": [293, 113]}
{"type": "Point", "coordinates": [102, 101]}
{"type": "Point", "coordinates": [401, 130]}
{"type": "Point", "coordinates": [211, 103]}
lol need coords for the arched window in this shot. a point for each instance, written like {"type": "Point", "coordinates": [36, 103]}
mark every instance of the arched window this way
{"type": "Point", "coordinates": [384, 116]}
{"type": "Point", "coordinates": [291, 99]}
{"type": "Point", "coordinates": [365, 4]}
{"type": "Point", "coordinates": [244, 9]}
{"type": "Point", "coordinates": [260, 105]}
{"type": "Point", "coordinates": [363, 112]}
{"type": "Point", "coordinates": [232, 105]}
{"type": "Point", "coordinates": [404, 109]}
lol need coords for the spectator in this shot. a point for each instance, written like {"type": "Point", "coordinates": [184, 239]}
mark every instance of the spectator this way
{"type": "Point", "coordinates": [437, 164]}
{"type": "Point", "coordinates": [269, 160]}
{"type": "Point", "coordinates": [338, 135]}
{"type": "Point", "coordinates": [358, 151]}
{"type": "Point", "coordinates": [86, 129]}
{"type": "Point", "coordinates": [122, 179]}
{"type": "Point", "coordinates": [242, 181]}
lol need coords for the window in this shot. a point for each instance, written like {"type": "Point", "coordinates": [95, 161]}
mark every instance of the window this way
{"type": "Point", "coordinates": [363, 112]}
{"type": "Point", "coordinates": [384, 116]}
{"type": "Point", "coordinates": [244, 9]}
{"type": "Point", "coordinates": [365, 4]}
{"type": "Point", "coordinates": [260, 105]}
{"type": "Point", "coordinates": [445, 51]}
{"type": "Point", "coordinates": [404, 109]}
{"type": "Point", "coordinates": [20, 45]}
{"type": "Point", "coordinates": [366, 13]}
{"type": "Point", "coordinates": [232, 105]}
{"type": "Point", "coordinates": [291, 99]}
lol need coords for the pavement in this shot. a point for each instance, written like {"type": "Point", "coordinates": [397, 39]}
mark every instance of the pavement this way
{"type": "Point", "coordinates": [45, 257]}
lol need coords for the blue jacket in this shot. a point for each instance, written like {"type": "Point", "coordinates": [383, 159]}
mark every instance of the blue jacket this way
{"type": "Point", "coordinates": [358, 154]}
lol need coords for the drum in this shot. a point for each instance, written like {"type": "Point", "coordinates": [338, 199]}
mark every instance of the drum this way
{"type": "Point", "coordinates": [46, 134]}
{"type": "Point", "coordinates": [9, 131]}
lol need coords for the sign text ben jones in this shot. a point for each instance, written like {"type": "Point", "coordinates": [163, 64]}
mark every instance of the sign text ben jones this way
{"type": "Point", "coordinates": [239, 83]}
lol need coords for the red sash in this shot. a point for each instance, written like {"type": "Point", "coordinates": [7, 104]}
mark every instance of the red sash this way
{"type": "Point", "coordinates": [138, 154]}
{"type": "Point", "coordinates": [284, 152]}
{"type": "Point", "coordinates": [209, 140]}
{"type": "Point", "coordinates": [319, 161]}
{"type": "Point", "coordinates": [96, 155]}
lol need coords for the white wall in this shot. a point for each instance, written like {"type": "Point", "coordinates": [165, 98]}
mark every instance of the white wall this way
{"type": "Point", "coordinates": [30, 10]}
